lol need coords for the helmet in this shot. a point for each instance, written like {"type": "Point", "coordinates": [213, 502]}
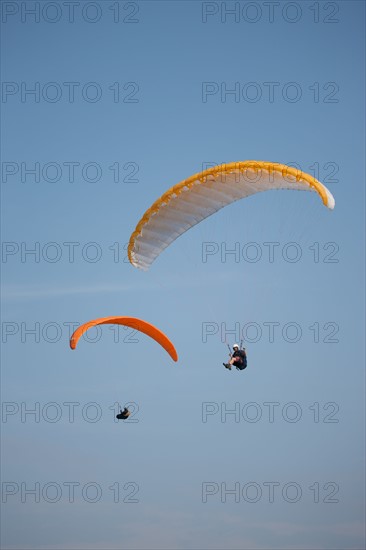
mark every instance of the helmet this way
{"type": "Point", "coordinates": [235, 346]}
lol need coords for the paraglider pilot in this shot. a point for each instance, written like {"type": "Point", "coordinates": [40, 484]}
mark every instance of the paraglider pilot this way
{"type": "Point", "coordinates": [125, 413]}
{"type": "Point", "coordinates": [238, 358]}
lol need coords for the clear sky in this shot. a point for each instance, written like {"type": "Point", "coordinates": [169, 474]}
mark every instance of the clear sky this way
{"type": "Point", "coordinates": [128, 99]}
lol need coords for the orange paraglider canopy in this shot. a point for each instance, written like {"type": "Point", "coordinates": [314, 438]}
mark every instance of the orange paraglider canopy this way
{"type": "Point", "coordinates": [132, 322]}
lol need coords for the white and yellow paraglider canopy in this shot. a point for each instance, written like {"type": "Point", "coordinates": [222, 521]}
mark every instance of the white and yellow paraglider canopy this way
{"type": "Point", "coordinates": [194, 199]}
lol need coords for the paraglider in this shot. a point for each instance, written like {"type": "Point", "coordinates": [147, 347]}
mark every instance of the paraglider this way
{"type": "Point", "coordinates": [124, 414]}
{"type": "Point", "coordinates": [238, 358]}
{"type": "Point", "coordinates": [194, 199]}
{"type": "Point", "coordinates": [132, 322]}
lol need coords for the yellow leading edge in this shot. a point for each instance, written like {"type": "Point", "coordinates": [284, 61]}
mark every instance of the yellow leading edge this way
{"type": "Point", "coordinates": [201, 195]}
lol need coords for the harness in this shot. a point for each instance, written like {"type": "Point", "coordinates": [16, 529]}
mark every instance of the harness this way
{"type": "Point", "coordinates": [243, 361]}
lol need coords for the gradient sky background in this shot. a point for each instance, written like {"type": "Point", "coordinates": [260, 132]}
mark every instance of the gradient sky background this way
{"type": "Point", "coordinates": [169, 49]}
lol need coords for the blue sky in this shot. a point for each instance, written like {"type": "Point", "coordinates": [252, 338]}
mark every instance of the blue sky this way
{"type": "Point", "coordinates": [98, 162]}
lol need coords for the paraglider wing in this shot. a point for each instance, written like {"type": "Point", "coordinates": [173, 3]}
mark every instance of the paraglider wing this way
{"type": "Point", "coordinates": [132, 322]}
{"type": "Point", "coordinates": [194, 199]}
